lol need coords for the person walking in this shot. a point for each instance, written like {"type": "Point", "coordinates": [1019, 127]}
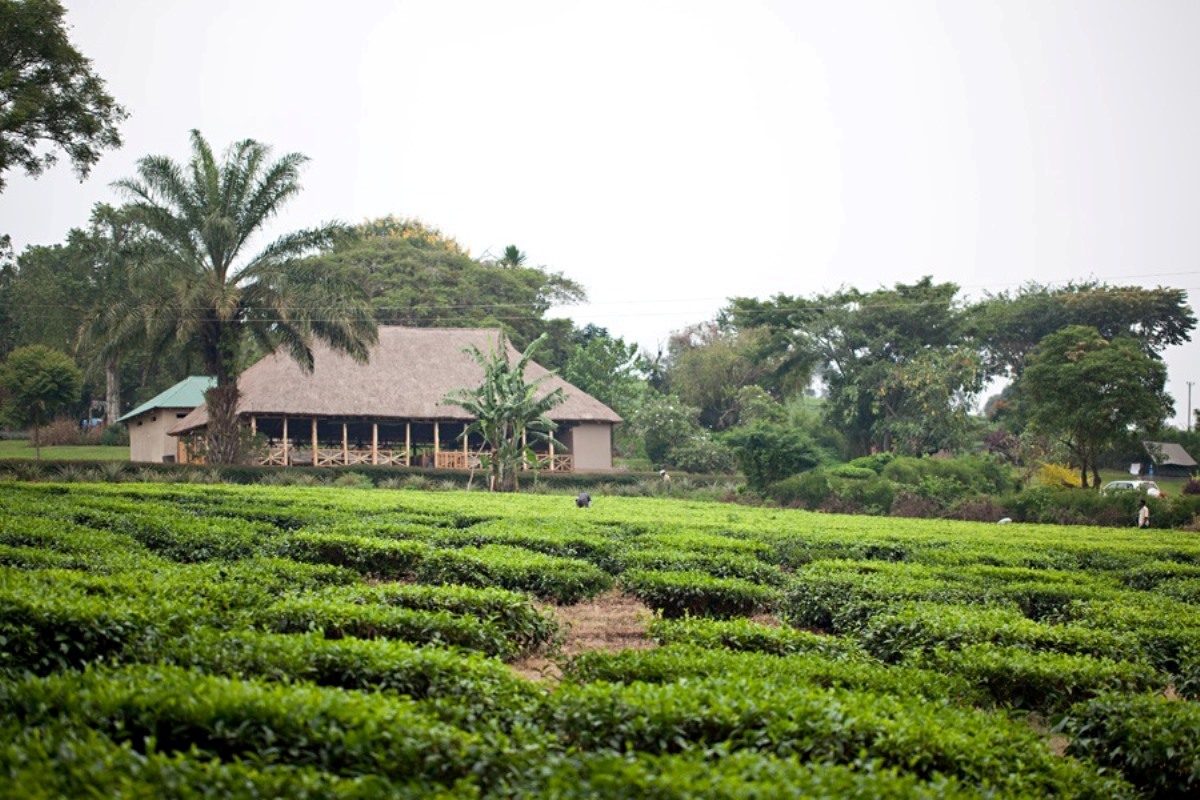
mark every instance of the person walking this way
{"type": "Point", "coordinates": [1143, 514]}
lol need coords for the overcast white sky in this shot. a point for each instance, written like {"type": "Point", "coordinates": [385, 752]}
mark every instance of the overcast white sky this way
{"type": "Point", "coordinates": [670, 155]}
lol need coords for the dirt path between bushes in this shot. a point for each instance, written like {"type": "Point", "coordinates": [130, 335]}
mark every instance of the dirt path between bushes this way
{"type": "Point", "coordinates": [608, 623]}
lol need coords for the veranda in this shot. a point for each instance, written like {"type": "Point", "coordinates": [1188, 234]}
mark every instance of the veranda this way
{"type": "Point", "coordinates": [319, 442]}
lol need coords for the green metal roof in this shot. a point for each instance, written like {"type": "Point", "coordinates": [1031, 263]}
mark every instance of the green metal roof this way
{"type": "Point", "coordinates": [188, 393]}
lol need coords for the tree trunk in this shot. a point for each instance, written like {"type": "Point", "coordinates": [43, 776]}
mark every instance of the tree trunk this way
{"type": "Point", "coordinates": [224, 440]}
{"type": "Point", "coordinates": [112, 392]}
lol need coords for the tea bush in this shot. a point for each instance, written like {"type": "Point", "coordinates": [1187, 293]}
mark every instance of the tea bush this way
{"type": "Point", "coordinates": [691, 593]}
{"type": "Point", "coordinates": [1150, 739]}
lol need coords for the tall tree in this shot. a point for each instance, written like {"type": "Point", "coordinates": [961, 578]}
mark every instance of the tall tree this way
{"type": "Point", "coordinates": [38, 383]}
{"type": "Point", "coordinates": [709, 365]}
{"type": "Point", "coordinates": [113, 245]}
{"type": "Point", "coordinates": [606, 368]}
{"type": "Point", "coordinates": [869, 349]}
{"type": "Point", "coordinates": [1009, 326]}
{"type": "Point", "coordinates": [49, 94]}
{"type": "Point", "coordinates": [508, 411]}
{"type": "Point", "coordinates": [417, 276]}
{"type": "Point", "coordinates": [1085, 391]}
{"type": "Point", "coordinates": [203, 293]}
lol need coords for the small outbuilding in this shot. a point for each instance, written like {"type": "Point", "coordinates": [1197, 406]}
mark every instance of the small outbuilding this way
{"type": "Point", "coordinates": [150, 422]}
{"type": "Point", "coordinates": [1170, 460]}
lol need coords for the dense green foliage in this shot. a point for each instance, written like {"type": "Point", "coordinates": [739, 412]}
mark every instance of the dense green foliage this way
{"type": "Point", "coordinates": [301, 642]}
{"type": "Point", "coordinates": [508, 410]}
{"type": "Point", "coordinates": [37, 383]}
{"type": "Point", "coordinates": [1085, 391]}
{"type": "Point", "coordinates": [49, 94]}
{"type": "Point", "coordinates": [209, 294]}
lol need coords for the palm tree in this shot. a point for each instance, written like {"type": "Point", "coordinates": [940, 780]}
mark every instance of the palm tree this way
{"type": "Point", "coordinates": [507, 410]}
{"type": "Point", "coordinates": [203, 293]}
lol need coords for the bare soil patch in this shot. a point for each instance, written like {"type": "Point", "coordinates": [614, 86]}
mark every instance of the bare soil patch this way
{"type": "Point", "coordinates": [609, 623]}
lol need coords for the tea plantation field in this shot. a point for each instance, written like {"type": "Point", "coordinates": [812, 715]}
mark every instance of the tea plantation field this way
{"type": "Point", "coordinates": [216, 641]}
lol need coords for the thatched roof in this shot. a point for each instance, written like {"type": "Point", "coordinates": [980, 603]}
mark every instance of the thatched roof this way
{"type": "Point", "coordinates": [409, 373]}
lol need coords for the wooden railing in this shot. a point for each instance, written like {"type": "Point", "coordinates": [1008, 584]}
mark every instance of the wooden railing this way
{"type": "Point", "coordinates": [338, 457]}
{"type": "Point", "coordinates": [331, 457]}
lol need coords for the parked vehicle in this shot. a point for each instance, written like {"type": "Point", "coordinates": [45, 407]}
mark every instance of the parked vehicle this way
{"type": "Point", "coordinates": [1149, 487]}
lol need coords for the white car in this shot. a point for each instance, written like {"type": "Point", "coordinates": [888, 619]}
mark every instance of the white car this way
{"type": "Point", "coordinates": [1149, 487]}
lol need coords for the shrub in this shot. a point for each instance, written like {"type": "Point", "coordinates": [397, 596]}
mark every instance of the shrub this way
{"type": "Point", "coordinates": [1150, 739]}
{"type": "Point", "coordinates": [910, 504]}
{"type": "Point", "coordinates": [768, 452]}
{"type": "Point", "coordinates": [703, 455]}
{"type": "Point", "coordinates": [114, 435]}
{"type": "Point", "coordinates": [684, 663]}
{"type": "Point", "coordinates": [907, 630]}
{"type": "Point", "coordinates": [1058, 476]}
{"type": "Point", "coordinates": [523, 623]}
{"type": "Point", "coordinates": [418, 672]}
{"type": "Point", "coordinates": [747, 636]}
{"type": "Point", "coordinates": [852, 472]}
{"type": "Point", "coordinates": [385, 558]}
{"type": "Point", "coordinates": [1045, 682]}
{"type": "Point", "coordinates": [980, 508]}
{"type": "Point", "coordinates": [213, 717]}
{"type": "Point", "coordinates": [564, 580]}
{"type": "Point", "coordinates": [336, 619]}
{"type": "Point", "coordinates": [55, 761]}
{"type": "Point", "coordinates": [874, 462]}
{"type": "Point", "coordinates": [809, 490]}
{"type": "Point", "coordinates": [47, 633]}
{"type": "Point", "coordinates": [744, 773]}
{"type": "Point", "coordinates": [830, 726]}
{"type": "Point", "coordinates": [65, 432]}
{"type": "Point", "coordinates": [691, 593]}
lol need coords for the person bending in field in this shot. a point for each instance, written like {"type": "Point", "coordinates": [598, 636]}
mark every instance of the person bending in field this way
{"type": "Point", "coordinates": [583, 501]}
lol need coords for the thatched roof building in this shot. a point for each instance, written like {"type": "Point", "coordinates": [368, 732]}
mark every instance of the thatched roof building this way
{"type": "Point", "coordinates": [404, 383]}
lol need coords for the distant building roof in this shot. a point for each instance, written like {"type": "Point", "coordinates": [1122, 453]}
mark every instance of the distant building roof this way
{"type": "Point", "coordinates": [1169, 454]}
{"type": "Point", "coordinates": [188, 393]}
{"type": "Point", "coordinates": [408, 375]}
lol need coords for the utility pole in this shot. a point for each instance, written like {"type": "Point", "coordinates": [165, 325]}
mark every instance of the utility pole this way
{"type": "Point", "coordinates": [1189, 416]}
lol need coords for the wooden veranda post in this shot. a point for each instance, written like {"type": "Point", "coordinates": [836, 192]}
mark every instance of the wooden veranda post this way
{"type": "Point", "coordinates": [345, 445]}
{"type": "Point", "coordinates": [437, 442]}
{"type": "Point", "coordinates": [408, 444]}
{"type": "Point", "coordinates": [314, 438]}
{"type": "Point", "coordinates": [285, 441]}
{"type": "Point", "coordinates": [374, 442]}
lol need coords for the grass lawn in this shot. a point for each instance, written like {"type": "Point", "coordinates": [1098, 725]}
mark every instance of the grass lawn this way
{"type": "Point", "coordinates": [20, 448]}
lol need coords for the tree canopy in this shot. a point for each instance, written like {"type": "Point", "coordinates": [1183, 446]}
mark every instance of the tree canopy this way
{"type": "Point", "coordinates": [417, 276]}
{"type": "Point", "coordinates": [1085, 391]}
{"type": "Point", "coordinates": [1009, 326]}
{"type": "Point", "coordinates": [38, 383]}
{"type": "Point", "coordinates": [876, 354]}
{"type": "Point", "coordinates": [50, 99]}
